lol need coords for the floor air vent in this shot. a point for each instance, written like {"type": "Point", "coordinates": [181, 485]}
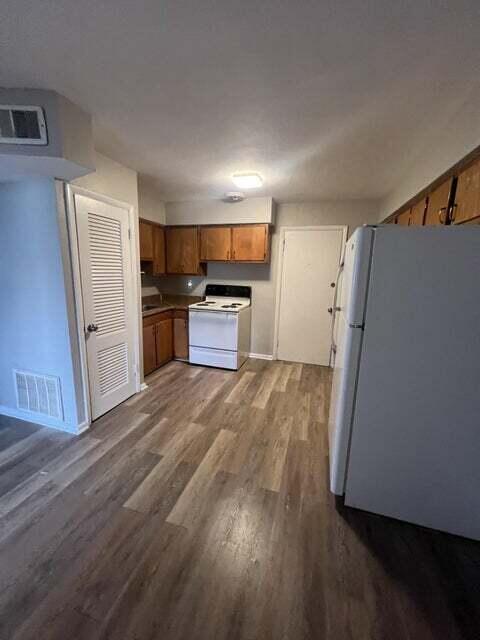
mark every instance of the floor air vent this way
{"type": "Point", "coordinates": [39, 394]}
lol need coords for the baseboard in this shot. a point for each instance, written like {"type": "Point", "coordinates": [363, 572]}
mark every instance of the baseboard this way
{"type": "Point", "coordinates": [43, 421]}
{"type": "Point", "coordinates": [260, 356]}
{"type": "Point", "coordinates": [83, 426]}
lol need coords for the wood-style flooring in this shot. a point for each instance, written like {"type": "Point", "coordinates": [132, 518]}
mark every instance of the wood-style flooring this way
{"type": "Point", "coordinates": [199, 509]}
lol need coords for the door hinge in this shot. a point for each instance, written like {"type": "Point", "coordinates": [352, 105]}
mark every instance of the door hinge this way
{"type": "Point", "coordinates": [129, 233]}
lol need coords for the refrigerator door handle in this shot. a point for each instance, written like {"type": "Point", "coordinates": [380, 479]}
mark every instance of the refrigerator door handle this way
{"type": "Point", "coordinates": [333, 310]}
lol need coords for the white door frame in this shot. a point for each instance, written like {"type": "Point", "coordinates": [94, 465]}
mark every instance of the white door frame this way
{"type": "Point", "coordinates": [281, 246]}
{"type": "Point", "coordinates": [70, 192]}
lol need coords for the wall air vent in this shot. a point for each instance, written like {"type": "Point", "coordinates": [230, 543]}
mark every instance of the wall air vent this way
{"type": "Point", "coordinates": [21, 124]}
{"type": "Point", "coordinates": [38, 394]}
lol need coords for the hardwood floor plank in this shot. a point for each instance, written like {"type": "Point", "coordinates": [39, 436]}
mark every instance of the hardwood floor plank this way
{"type": "Point", "coordinates": [286, 372]}
{"type": "Point", "coordinates": [237, 392]}
{"type": "Point", "coordinates": [297, 369]}
{"type": "Point", "coordinates": [272, 472]}
{"type": "Point", "coordinates": [266, 387]}
{"type": "Point", "coordinates": [183, 513]}
{"type": "Point", "coordinates": [146, 494]}
{"type": "Point", "coordinates": [32, 484]}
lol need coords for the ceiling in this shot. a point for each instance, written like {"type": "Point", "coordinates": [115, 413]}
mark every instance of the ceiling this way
{"type": "Point", "coordinates": [323, 99]}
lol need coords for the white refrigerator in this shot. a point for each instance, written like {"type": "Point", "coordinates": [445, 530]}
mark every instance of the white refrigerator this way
{"type": "Point", "coordinates": [404, 423]}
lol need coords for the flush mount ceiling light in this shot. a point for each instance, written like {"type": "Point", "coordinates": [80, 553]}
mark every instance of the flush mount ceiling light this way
{"type": "Point", "coordinates": [247, 180]}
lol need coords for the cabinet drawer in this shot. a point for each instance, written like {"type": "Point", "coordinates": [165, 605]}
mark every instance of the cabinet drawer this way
{"type": "Point", "coordinates": [153, 319]}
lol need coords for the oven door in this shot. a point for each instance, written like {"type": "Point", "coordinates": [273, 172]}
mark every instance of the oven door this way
{"type": "Point", "coordinates": [213, 329]}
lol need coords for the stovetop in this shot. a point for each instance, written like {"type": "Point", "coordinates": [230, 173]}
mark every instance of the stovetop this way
{"type": "Point", "coordinates": [221, 304]}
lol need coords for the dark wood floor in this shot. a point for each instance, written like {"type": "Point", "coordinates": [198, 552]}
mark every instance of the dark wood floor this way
{"type": "Point", "coordinates": [200, 510]}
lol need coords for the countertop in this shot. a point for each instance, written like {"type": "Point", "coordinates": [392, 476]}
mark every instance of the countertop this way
{"type": "Point", "coordinates": [168, 302]}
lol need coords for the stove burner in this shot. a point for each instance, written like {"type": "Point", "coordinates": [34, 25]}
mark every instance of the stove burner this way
{"type": "Point", "coordinates": [233, 305]}
{"type": "Point", "coordinates": [204, 304]}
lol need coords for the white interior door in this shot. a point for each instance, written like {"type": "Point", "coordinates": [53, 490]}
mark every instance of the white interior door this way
{"type": "Point", "coordinates": [311, 256]}
{"type": "Point", "coordinates": [108, 301]}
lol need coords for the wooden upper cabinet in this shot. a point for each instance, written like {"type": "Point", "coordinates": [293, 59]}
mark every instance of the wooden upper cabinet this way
{"type": "Point", "coordinates": [215, 243]}
{"type": "Point", "coordinates": [417, 213]}
{"type": "Point", "coordinates": [159, 266]}
{"type": "Point", "coordinates": [146, 240]}
{"type": "Point", "coordinates": [183, 251]}
{"type": "Point", "coordinates": [250, 243]}
{"type": "Point", "coordinates": [467, 196]}
{"type": "Point", "coordinates": [437, 207]}
{"type": "Point", "coordinates": [404, 218]}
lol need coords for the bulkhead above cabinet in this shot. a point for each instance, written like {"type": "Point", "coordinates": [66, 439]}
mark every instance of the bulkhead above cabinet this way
{"type": "Point", "coordinates": [43, 134]}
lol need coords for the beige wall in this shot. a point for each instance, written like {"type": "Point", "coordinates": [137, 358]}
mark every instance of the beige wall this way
{"type": "Point", "coordinates": [456, 137]}
{"type": "Point", "coordinates": [111, 179]}
{"type": "Point", "coordinates": [250, 210]}
{"type": "Point", "coordinates": [150, 204]}
{"type": "Point", "coordinates": [262, 278]}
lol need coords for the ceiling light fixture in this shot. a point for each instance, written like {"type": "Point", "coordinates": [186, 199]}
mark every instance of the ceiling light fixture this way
{"type": "Point", "coordinates": [247, 180]}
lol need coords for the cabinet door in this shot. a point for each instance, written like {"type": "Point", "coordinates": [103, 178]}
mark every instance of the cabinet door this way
{"type": "Point", "coordinates": [438, 204]}
{"type": "Point", "coordinates": [164, 340]}
{"type": "Point", "coordinates": [180, 338]}
{"type": "Point", "coordinates": [149, 350]}
{"type": "Point", "coordinates": [467, 196]}
{"type": "Point", "coordinates": [215, 243]}
{"type": "Point", "coordinates": [159, 251]}
{"type": "Point", "coordinates": [146, 241]}
{"type": "Point", "coordinates": [403, 218]}
{"type": "Point", "coordinates": [417, 213]}
{"type": "Point", "coordinates": [182, 250]}
{"type": "Point", "coordinates": [250, 243]}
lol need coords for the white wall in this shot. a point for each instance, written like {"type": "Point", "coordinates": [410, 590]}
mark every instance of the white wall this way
{"type": "Point", "coordinates": [455, 137]}
{"type": "Point", "coordinates": [150, 204]}
{"type": "Point", "coordinates": [250, 210]}
{"type": "Point", "coordinates": [262, 278]}
{"type": "Point", "coordinates": [34, 323]}
{"type": "Point", "coordinates": [111, 179]}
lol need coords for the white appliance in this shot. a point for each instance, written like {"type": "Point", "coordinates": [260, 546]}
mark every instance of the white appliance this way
{"type": "Point", "coordinates": [219, 327]}
{"type": "Point", "coordinates": [404, 425]}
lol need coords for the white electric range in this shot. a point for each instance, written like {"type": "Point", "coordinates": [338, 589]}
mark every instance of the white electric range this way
{"type": "Point", "coordinates": [219, 327]}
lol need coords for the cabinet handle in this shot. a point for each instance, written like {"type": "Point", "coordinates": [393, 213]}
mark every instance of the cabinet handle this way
{"type": "Point", "coordinates": [453, 212]}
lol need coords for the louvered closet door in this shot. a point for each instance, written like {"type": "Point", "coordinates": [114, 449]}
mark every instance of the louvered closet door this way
{"type": "Point", "coordinates": [108, 302]}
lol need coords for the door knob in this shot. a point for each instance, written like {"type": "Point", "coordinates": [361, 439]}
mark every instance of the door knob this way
{"type": "Point", "coordinates": [92, 328]}
{"type": "Point", "coordinates": [330, 309]}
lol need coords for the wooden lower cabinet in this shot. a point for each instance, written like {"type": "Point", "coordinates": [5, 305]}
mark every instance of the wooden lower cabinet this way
{"type": "Point", "coordinates": [180, 335]}
{"type": "Point", "coordinates": [165, 336]}
{"type": "Point", "coordinates": [149, 350]}
{"type": "Point", "coordinates": [164, 341]}
{"type": "Point", "coordinates": [157, 340]}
